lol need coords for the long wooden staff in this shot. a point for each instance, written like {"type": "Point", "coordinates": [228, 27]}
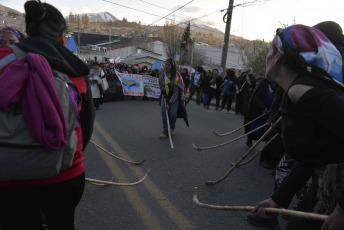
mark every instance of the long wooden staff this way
{"type": "Point", "coordinates": [103, 183]}
{"type": "Point", "coordinates": [233, 131]}
{"type": "Point", "coordinates": [259, 151]}
{"type": "Point", "coordinates": [131, 162]}
{"type": "Point", "coordinates": [244, 156]}
{"type": "Point", "coordinates": [225, 143]}
{"type": "Point", "coordinates": [287, 212]}
{"type": "Point", "coordinates": [168, 125]}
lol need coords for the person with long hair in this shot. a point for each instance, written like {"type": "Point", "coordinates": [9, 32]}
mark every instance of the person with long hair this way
{"type": "Point", "coordinates": [309, 68]}
{"type": "Point", "coordinates": [58, 196]}
{"type": "Point", "coordinates": [172, 88]}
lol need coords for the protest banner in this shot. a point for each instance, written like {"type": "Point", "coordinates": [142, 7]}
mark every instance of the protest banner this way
{"type": "Point", "coordinates": [151, 86]}
{"type": "Point", "coordinates": [132, 84]}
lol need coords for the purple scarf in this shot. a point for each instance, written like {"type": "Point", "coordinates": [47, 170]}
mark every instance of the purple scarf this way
{"type": "Point", "coordinates": [30, 81]}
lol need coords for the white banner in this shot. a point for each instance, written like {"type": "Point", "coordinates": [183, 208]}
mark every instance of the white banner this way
{"type": "Point", "coordinates": [151, 86]}
{"type": "Point", "coordinates": [132, 84]}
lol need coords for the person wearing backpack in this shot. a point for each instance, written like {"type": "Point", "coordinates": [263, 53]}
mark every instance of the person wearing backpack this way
{"type": "Point", "coordinates": [45, 55]}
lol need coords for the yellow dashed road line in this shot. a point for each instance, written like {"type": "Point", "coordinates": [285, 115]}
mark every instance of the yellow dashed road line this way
{"type": "Point", "coordinates": [133, 197]}
{"type": "Point", "coordinates": [174, 214]}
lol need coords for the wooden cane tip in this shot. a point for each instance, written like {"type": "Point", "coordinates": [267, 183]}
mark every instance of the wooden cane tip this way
{"type": "Point", "coordinates": [210, 183]}
{"type": "Point", "coordinates": [195, 147]}
{"type": "Point", "coordinates": [140, 162]}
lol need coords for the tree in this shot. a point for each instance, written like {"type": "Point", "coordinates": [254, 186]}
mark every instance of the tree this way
{"type": "Point", "coordinates": [171, 35]}
{"type": "Point", "coordinates": [71, 18]}
{"type": "Point", "coordinates": [253, 54]}
{"type": "Point", "coordinates": [210, 38]}
{"type": "Point", "coordinates": [86, 20]}
{"type": "Point", "coordinates": [77, 19]}
{"type": "Point", "coordinates": [186, 46]}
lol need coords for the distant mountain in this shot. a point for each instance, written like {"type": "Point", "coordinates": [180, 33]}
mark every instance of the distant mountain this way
{"type": "Point", "coordinates": [5, 9]}
{"type": "Point", "coordinates": [203, 28]}
{"type": "Point", "coordinates": [100, 17]}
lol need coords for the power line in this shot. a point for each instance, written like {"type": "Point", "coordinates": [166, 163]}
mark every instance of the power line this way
{"type": "Point", "coordinates": [184, 22]}
{"type": "Point", "coordinates": [171, 12]}
{"type": "Point", "coordinates": [177, 13]}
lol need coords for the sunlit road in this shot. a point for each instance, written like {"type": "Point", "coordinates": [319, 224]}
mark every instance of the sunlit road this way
{"type": "Point", "coordinates": [130, 129]}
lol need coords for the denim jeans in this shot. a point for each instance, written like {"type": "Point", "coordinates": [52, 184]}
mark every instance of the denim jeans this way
{"type": "Point", "coordinates": [205, 99]}
{"type": "Point", "coordinates": [172, 114]}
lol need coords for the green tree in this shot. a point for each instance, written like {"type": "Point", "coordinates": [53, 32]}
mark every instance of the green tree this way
{"type": "Point", "coordinates": [185, 45]}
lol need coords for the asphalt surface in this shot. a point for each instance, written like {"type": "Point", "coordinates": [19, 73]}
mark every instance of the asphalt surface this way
{"type": "Point", "coordinates": [130, 129]}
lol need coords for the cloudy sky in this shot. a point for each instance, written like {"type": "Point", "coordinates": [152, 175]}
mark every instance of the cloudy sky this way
{"type": "Point", "coordinates": [252, 19]}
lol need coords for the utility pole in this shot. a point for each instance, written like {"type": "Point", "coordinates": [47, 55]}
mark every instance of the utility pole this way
{"type": "Point", "coordinates": [110, 43]}
{"type": "Point", "coordinates": [192, 50]}
{"type": "Point", "coordinates": [79, 42]}
{"type": "Point", "coordinates": [226, 38]}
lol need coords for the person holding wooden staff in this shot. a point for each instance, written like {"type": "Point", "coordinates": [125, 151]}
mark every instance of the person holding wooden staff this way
{"type": "Point", "coordinates": [172, 90]}
{"type": "Point", "coordinates": [308, 67]}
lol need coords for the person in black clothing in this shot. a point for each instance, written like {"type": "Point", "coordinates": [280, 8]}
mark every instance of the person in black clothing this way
{"type": "Point", "coordinates": [239, 99]}
{"type": "Point", "coordinates": [186, 78]}
{"type": "Point", "coordinates": [247, 90]}
{"type": "Point", "coordinates": [260, 100]}
{"type": "Point", "coordinates": [215, 88]}
{"type": "Point", "coordinates": [229, 88]}
{"type": "Point", "coordinates": [311, 74]}
{"type": "Point", "coordinates": [205, 84]}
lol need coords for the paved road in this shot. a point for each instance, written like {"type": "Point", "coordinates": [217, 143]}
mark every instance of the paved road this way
{"type": "Point", "coordinates": [130, 129]}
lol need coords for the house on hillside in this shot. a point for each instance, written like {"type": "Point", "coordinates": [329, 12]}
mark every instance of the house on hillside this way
{"type": "Point", "coordinates": [143, 57]}
{"type": "Point", "coordinates": [104, 47]}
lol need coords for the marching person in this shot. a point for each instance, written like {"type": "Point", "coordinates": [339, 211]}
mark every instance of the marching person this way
{"type": "Point", "coordinates": [186, 78]}
{"type": "Point", "coordinates": [97, 87]}
{"type": "Point", "coordinates": [205, 85]}
{"type": "Point", "coordinates": [214, 88]}
{"type": "Point", "coordinates": [308, 67]}
{"type": "Point", "coordinates": [229, 88]}
{"type": "Point", "coordinates": [9, 36]}
{"type": "Point", "coordinates": [57, 196]}
{"type": "Point", "coordinates": [172, 89]}
{"type": "Point", "coordinates": [195, 85]}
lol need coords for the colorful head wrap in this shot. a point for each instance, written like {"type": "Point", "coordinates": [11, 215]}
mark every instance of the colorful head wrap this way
{"type": "Point", "coordinates": [313, 46]}
{"type": "Point", "coordinates": [19, 35]}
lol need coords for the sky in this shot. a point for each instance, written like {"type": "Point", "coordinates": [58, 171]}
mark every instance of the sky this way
{"type": "Point", "coordinates": [251, 19]}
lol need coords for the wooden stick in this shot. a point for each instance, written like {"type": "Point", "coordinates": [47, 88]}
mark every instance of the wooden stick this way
{"type": "Point", "coordinates": [168, 125]}
{"type": "Point", "coordinates": [131, 162]}
{"type": "Point", "coordinates": [225, 143]}
{"type": "Point", "coordinates": [282, 211]}
{"type": "Point", "coordinates": [233, 131]}
{"type": "Point", "coordinates": [244, 156]}
{"type": "Point", "coordinates": [260, 150]}
{"type": "Point", "coordinates": [102, 182]}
